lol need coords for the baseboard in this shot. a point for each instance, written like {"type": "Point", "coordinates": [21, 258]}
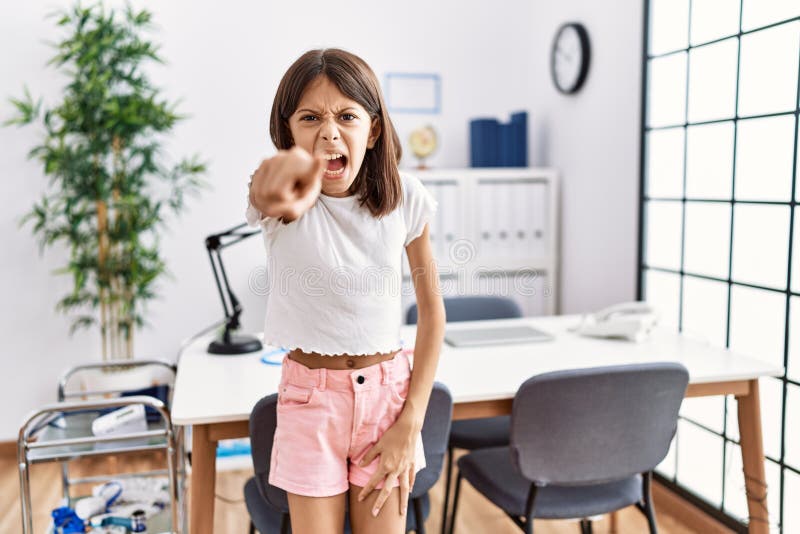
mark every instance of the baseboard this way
{"type": "Point", "coordinates": [688, 514]}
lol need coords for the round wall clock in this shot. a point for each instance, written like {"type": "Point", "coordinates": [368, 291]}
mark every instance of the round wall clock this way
{"type": "Point", "coordinates": [569, 57]}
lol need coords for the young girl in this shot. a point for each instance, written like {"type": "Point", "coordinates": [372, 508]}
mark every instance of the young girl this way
{"type": "Point", "coordinates": [335, 214]}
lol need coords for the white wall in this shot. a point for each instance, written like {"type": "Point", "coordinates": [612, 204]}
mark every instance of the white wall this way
{"type": "Point", "coordinates": [225, 61]}
{"type": "Point", "coordinates": [593, 140]}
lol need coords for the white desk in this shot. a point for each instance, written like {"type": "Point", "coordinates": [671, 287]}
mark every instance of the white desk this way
{"type": "Point", "coordinates": [215, 393]}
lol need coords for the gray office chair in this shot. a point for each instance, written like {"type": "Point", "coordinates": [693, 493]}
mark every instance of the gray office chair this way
{"type": "Point", "coordinates": [584, 442]}
{"type": "Point", "coordinates": [268, 506]}
{"type": "Point", "coordinates": [480, 432]}
{"type": "Point", "coordinates": [473, 308]}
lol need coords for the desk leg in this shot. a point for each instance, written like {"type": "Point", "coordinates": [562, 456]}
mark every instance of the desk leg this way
{"type": "Point", "coordinates": [749, 411]}
{"type": "Point", "coordinates": [204, 475]}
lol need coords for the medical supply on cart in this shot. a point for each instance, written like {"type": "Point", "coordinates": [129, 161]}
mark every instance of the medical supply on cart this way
{"type": "Point", "coordinates": [139, 490]}
{"type": "Point", "coordinates": [130, 419]}
{"type": "Point", "coordinates": [66, 521]}
{"type": "Point", "coordinates": [135, 522]}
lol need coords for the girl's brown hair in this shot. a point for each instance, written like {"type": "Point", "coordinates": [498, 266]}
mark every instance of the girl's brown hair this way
{"type": "Point", "coordinates": [378, 181]}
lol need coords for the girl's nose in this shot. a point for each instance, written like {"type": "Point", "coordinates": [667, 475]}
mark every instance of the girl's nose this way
{"type": "Point", "coordinates": [329, 132]}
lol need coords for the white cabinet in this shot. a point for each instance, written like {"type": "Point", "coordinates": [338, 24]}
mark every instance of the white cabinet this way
{"type": "Point", "coordinates": [495, 233]}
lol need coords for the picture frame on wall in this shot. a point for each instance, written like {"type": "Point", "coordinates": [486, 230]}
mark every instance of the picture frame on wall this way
{"type": "Point", "coordinates": [415, 93]}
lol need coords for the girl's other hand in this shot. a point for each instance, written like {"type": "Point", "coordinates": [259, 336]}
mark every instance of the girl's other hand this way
{"type": "Point", "coordinates": [395, 450]}
{"type": "Point", "coordinates": [287, 184]}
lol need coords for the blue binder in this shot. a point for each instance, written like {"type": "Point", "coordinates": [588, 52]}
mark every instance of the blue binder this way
{"type": "Point", "coordinates": [484, 142]}
{"type": "Point", "coordinates": [519, 151]}
{"type": "Point", "coordinates": [507, 145]}
{"type": "Point", "coordinates": [499, 145]}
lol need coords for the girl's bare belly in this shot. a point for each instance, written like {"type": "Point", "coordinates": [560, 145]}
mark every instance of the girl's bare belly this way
{"type": "Point", "coordinates": [315, 360]}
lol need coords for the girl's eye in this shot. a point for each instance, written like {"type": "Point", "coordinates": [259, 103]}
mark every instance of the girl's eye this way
{"type": "Point", "coordinates": [346, 116]}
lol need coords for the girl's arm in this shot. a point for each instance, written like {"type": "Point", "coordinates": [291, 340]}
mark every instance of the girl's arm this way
{"type": "Point", "coordinates": [430, 328]}
{"type": "Point", "coordinates": [399, 439]}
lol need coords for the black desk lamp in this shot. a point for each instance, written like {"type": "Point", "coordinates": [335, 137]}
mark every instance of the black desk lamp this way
{"type": "Point", "coordinates": [230, 343]}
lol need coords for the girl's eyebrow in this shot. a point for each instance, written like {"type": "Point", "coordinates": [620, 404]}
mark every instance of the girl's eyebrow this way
{"type": "Point", "coordinates": [313, 111]}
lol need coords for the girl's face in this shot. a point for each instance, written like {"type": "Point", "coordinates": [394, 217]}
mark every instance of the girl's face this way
{"type": "Point", "coordinates": [327, 123]}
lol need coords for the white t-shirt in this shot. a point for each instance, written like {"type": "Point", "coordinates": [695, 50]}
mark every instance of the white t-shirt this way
{"type": "Point", "coordinates": [334, 274]}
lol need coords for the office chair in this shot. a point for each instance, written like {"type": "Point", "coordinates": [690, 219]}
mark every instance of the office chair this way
{"type": "Point", "coordinates": [268, 506]}
{"type": "Point", "coordinates": [473, 308]}
{"type": "Point", "coordinates": [477, 433]}
{"type": "Point", "coordinates": [584, 442]}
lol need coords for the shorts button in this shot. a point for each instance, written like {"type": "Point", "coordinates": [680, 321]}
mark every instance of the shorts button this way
{"type": "Point", "coordinates": [360, 379]}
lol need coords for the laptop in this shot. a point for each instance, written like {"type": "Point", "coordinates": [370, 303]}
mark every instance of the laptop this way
{"type": "Point", "coordinates": [475, 337]}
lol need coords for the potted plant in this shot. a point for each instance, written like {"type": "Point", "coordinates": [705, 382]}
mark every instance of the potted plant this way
{"type": "Point", "coordinates": [108, 190]}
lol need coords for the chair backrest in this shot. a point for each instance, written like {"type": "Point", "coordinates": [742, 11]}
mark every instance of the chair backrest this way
{"type": "Point", "coordinates": [473, 308]}
{"type": "Point", "coordinates": [435, 435]}
{"type": "Point", "coordinates": [263, 420]}
{"type": "Point", "coordinates": [435, 432]}
{"type": "Point", "coordinates": [586, 426]}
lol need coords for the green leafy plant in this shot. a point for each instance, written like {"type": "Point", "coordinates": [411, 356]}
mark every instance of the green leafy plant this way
{"type": "Point", "coordinates": [108, 191]}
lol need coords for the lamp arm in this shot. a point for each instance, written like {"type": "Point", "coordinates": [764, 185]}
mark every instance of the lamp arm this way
{"type": "Point", "coordinates": [214, 258]}
{"type": "Point", "coordinates": [236, 308]}
{"type": "Point", "coordinates": [230, 303]}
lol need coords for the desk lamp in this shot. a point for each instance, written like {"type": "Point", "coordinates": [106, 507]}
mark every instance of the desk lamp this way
{"type": "Point", "coordinates": [230, 343]}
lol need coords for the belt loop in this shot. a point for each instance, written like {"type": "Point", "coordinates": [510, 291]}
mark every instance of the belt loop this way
{"type": "Point", "coordinates": [387, 372]}
{"type": "Point", "coordinates": [323, 373]}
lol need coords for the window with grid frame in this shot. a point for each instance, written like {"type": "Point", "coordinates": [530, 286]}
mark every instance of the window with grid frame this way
{"type": "Point", "coordinates": [720, 237]}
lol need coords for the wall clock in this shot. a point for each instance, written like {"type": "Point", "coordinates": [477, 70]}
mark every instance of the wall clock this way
{"type": "Point", "coordinates": [569, 57]}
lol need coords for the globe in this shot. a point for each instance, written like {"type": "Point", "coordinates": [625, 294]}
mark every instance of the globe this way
{"type": "Point", "coordinates": [423, 143]}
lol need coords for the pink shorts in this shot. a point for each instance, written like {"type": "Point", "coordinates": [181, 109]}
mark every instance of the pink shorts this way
{"type": "Point", "coordinates": [327, 421]}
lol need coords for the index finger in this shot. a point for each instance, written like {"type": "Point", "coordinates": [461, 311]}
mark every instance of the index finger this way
{"type": "Point", "coordinates": [313, 175]}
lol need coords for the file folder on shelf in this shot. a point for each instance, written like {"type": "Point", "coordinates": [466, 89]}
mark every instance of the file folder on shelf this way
{"type": "Point", "coordinates": [540, 215]}
{"type": "Point", "coordinates": [451, 223]}
{"type": "Point", "coordinates": [522, 224]}
{"type": "Point", "coordinates": [505, 231]}
{"type": "Point", "coordinates": [484, 204]}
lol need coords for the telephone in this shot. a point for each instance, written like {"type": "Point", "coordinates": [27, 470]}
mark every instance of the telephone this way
{"type": "Point", "coordinates": [629, 320]}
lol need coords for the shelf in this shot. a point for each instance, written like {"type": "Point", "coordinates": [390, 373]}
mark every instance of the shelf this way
{"type": "Point", "coordinates": [495, 222]}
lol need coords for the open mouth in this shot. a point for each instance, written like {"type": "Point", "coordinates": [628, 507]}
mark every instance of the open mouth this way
{"type": "Point", "coordinates": [336, 165]}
